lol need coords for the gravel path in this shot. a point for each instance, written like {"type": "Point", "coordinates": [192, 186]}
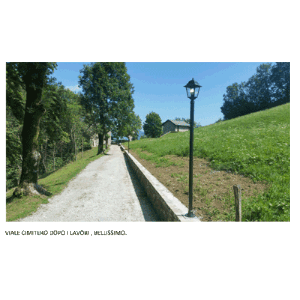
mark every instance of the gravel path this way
{"type": "Point", "coordinates": [106, 190]}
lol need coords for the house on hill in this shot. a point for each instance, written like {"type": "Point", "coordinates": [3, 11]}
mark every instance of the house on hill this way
{"type": "Point", "coordinates": [175, 126]}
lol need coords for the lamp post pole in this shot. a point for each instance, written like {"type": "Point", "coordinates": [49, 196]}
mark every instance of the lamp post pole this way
{"type": "Point", "coordinates": [190, 213]}
{"type": "Point", "coordinates": [192, 90]}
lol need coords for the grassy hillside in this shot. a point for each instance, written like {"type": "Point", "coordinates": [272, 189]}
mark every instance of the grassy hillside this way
{"type": "Point", "coordinates": [256, 145]}
{"type": "Point", "coordinates": [54, 183]}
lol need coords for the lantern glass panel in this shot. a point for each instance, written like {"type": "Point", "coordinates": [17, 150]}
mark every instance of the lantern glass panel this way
{"type": "Point", "coordinates": [188, 92]}
{"type": "Point", "coordinates": [197, 89]}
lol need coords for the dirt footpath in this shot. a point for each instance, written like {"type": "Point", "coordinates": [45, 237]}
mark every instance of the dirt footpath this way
{"type": "Point", "coordinates": [106, 190]}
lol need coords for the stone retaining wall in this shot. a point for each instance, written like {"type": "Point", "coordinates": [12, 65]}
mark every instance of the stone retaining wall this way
{"type": "Point", "coordinates": [168, 207]}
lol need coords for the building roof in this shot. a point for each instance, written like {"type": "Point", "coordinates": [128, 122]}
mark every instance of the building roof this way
{"type": "Point", "coordinates": [180, 123]}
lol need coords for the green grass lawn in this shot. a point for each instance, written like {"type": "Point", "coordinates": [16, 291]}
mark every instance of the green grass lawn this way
{"type": "Point", "coordinates": [54, 183]}
{"type": "Point", "coordinates": [256, 145]}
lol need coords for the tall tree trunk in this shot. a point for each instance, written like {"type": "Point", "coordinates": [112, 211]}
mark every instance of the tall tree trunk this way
{"type": "Point", "coordinates": [70, 146]}
{"type": "Point", "coordinates": [31, 156]}
{"type": "Point", "coordinates": [100, 144]}
{"type": "Point", "coordinates": [101, 135]}
{"type": "Point", "coordinates": [54, 157]}
{"type": "Point", "coordinates": [19, 171]}
{"type": "Point", "coordinates": [44, 160]}
{"type": "Point", "coordinates": [75, 146]}
{"type": "Point", "coordinates": [106, 138]}
{"type": "Point", "coordinates": [106, 141]}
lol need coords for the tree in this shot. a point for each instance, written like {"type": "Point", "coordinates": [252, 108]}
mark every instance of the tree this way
{"type": "Point", "coordinates": [268, 87]}
{"type": "Point", "coordinates": [15, 92]}
{"type": "Point", "coordinates": [53, 133]}
{"type": "Point", "coordinates": [136, 126]}
{"type": "Point", "coordinates": [231, 99]}
{"type": "Point", "coordinates": [260, 92]}
{"type": "Point", "coordinates": [15, 106]}
{"type": "Point", "coordinates": [153, 126]}
{"type": "Point", "coordinates": [106, 88]}
{"type": "Point", "coordinates": [33, 77]}
{"type": "Point", "coordinates": [131, 126]}
{"type": "Point", "coordinates": [122, 118]}
{"type": "Point", "coordinates": [77, 128]}
{"type": "Point", "coordinates": [280, 78]}
{"type": "Point", "coordinates": [240, 99]}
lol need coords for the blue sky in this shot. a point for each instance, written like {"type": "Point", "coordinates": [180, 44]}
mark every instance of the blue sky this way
{"type": "Point", "coordinates": [159, 87]}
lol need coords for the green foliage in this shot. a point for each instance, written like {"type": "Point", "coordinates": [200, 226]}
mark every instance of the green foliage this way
{"type": "Point", "coordinates": [62, 132]}
{"type": "Point", "coordinates": [15, 92]}
{"type": "Point", "coordinates": [153, 125]}
{"type": "Point", "coordinates": [107, 95]}
{"type": "Point", "coordinates": [130, 126]}
{"type": "Point", "coordinates": [15, 107]}
{"type": "Point", "coordinates": [256, 145]}
{"type": "Point", "coordinates": [35, 74]}
{"type": "Point", "coordinates": [269, 87]}
{"type": "Point", "coordinates": [13, 149]}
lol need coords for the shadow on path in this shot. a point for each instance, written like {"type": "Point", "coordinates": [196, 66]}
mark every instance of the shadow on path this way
{"type": "Point", "coordinates": [147, 208]}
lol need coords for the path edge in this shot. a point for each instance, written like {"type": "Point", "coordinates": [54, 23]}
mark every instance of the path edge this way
{"type": "Point", "coordinates": [165, 204]}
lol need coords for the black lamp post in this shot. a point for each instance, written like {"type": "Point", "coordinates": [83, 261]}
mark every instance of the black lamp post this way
{"type": "Point", "coordinates": [192, 90]}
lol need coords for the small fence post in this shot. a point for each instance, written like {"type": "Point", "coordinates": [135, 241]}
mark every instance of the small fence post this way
{"type": "Point", "coordinates": [238, 203]}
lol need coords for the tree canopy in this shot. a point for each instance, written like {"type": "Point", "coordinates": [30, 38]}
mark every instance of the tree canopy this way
{"type": "Point", "coordinates": [153, 125]}
{"type": "Point", "coordinates": [269, 87]}
{"type": "Point", "coordinates": [55, 123]}
{"type": "Point", "coordinates": [107, 95]}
